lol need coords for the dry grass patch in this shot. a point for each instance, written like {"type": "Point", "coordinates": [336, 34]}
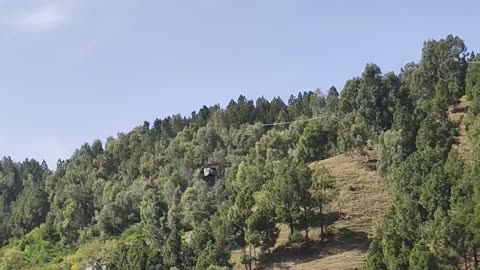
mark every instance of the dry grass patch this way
{"type": "Point", "coordinates": [457, 115]}
{"type": "Point", "coordinates": [362, 198]}
{"type": "Point", "coordinates": [363, 193]}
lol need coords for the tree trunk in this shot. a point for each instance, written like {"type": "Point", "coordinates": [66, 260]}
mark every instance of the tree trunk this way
{"type": "Point", "coordinates": [339, 206]}
{"type": "Point", "coordinates": [291, 226]}
{"type": "Point", "coordinates": [305, 219]}
{"type": "Point", "coordinates": [321, 221]}
{"type": "Point", "coordinates": [255, 254]}
{"type": "Point", "coordinates": [465, 259]}
{"type": "Point", "coordinates": [475, 258]}
{"type": "Point", "coordinates": [250, 256]}
{"type": "Point", "coordinates": [245, 261]}
{"type": "Point", "coordinates": [290, 219]}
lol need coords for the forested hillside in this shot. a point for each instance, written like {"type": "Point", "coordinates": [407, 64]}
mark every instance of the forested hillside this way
{"type": "Point", "coordinates": [194, 192]}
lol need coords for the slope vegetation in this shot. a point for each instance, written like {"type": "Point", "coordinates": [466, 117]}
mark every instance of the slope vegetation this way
{"type": "Point", "coordinates": [457, 115]}
{"type": "Point", "coordinates": [363, 197]}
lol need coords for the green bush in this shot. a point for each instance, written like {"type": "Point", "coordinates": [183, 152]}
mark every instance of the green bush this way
{"type": "Point", "coordinates": [13, 259]}
{"type": "Point", "coordinates": [296, 238]}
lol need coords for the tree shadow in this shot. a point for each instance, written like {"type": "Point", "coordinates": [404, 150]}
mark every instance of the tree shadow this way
{"type": "Point", "coordinates": [342, 241]}
{"type": "Point", "coordinates": [459, 109]}
{"type": "Point", "coordinates": [316, 220]}
{"type": "Point", "coordinates": [328, 219]}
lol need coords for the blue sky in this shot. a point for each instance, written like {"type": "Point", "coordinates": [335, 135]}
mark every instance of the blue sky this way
{"type": "Point", "coordinates": [76, 70]}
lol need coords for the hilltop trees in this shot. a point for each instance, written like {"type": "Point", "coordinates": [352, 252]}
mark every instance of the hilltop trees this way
{"type": "Point", "coordinates": [444, 61]}
{"type": "Point", "coordinates": [372, 99]}
{"type": "Point", "coordinates": [332, 99]}
{"type": "Point", "coordinates": [23, 198]}
{"type": "Point", "coordinates": [348, 98]}
{"type": "Point", "coordinates": [430, 222]}
{"type": "Point", "coordinates": [472, 87]}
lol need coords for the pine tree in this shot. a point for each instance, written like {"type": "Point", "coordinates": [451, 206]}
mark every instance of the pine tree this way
{"type": "Point", "coordinates": [421, 258]}
{"type": "Point", "coordinates": [333, 99]}
{"type": "Point", "coordinates": [322, 192]}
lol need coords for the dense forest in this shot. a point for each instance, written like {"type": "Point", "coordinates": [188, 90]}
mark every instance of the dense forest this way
{"type": "Point", "coordinates": [184, 192]}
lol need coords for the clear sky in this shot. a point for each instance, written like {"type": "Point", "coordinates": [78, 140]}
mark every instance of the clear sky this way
{"type": "Point", "coordinates": [72, 71]}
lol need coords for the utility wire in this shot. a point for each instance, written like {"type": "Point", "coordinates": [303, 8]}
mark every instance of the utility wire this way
{"type": "Point", "coordinates": [286, 123]}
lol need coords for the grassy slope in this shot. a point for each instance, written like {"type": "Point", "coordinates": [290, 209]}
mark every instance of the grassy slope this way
{"type": "Point", "coordinates": [363, 196]}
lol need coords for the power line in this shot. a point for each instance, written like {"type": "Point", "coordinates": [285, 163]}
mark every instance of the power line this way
{"type": "Point", "coordinates": [286, 123]}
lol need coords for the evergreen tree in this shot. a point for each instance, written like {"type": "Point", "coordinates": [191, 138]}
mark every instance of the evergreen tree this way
{"type": "Point", "coordinates": [333, 99]}
{"type": "Point", "coordinates": [322, 192]}
{"type": "Point", "coordinates": [348, 98]}
{"type": "Point", "coordinates": [421, 258]}
{"type": "Point", "coordinates": [373, 99]}
{"type": "Point", "coordinates": [352, 133]}
{"type": "Point", "coordinates": [375, 257]}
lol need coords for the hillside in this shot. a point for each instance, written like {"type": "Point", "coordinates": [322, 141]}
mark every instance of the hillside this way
{"type": "Point", "coordinates": [254, 184]}
{"type": "Point", "coordinates": [363, 198]}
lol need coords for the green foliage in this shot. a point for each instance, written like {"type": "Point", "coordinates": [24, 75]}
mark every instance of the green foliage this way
{"type": "Point", "coordinates": [196, 204]}
{"type": "Point", "coordinates": [435, 191]}
{"type": "Point", "coordinates": [394, 149]}
{"type": "Point", "coordinates": [352, 133]}
{"type": "Point", "coordinates": [212, 256]}
{"type": "Point", "coordinates": [14, 259]}
{"type": "Point", "coordinates": [36, 249]}
{"type": "Point", "coordinates": [172, 248]}
{"type": "Point", "coordinates": [348, 99]}
{"type": "Point", "coordinates": [302, 104]}
{"type": "Point", "coordinates": [214, 267]}
{"type": "Point", "coordinates": [333, 99]}
{"type": "Point", "coordinates": [142, 197]}
{"type": "Point", "coordinates": [430, 223]}
{"type": "Point", "coordinates": [296, 238]}
{"type": "Point", "coordinates": [375, 257]}
{"type": "Point", "coordinates": [29, 210]}
{"type": "Point", "coordinates": [435, 131]}
{"type": "Point", "coordinates": [322, 192]}
{"type": "Point", "coordinates": [373, 99]}
{"type": "Point", "coordinates": [262, 223]}
{"type": "Point", "coordinates": [473, 85]}
{"type": "Point", "coordinates": [421, 258]}
{"type": "Point", "coordinates": [241, 211]}
{"type": "Point", "coordinates": [130, 256]}
{"type": "Point", "coordinates": [242, 111]}
{"type": "Point", "coordinates": [317, 142]}
{"type": "Point", "coordinates": [153, 215]}
{"type": "Point", "coordinates": [442, 61]}
{"type": "Point", "coordinates": [283, 190]}
{"type": "Point", "coordinates": [421, 190]}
